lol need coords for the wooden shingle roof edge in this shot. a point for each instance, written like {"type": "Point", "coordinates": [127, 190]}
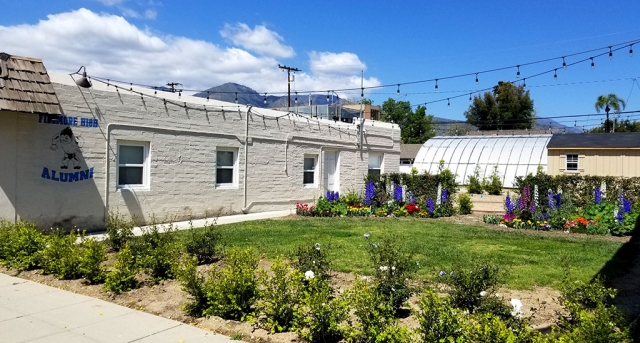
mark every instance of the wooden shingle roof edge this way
{"type": "Point", "coordinates": [618, 140]}
{"type": "Point", "coordinates": [25, 86]}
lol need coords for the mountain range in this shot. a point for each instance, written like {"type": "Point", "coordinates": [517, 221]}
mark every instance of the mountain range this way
{"type": "Point", "coordinates": [247, 96]}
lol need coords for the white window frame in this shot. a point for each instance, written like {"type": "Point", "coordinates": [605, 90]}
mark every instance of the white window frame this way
{"type": "Point", "coordinates": [577, 162]}
{"type": "Point", "coordinates": [377, 154]}
{"type": "Point", "coordinates": [145, 165]}
{"type": "Point", "coordinates": [314, 171]}
{"type": "Point", "coordinates": [234, 184]}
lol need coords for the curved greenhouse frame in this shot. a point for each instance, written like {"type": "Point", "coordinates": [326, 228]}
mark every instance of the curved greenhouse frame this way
{"type": "Point", "coordinates": [514, 155]}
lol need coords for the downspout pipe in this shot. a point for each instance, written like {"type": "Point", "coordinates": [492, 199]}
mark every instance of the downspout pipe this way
{"type": "Point", "coordinates": [245, 209]}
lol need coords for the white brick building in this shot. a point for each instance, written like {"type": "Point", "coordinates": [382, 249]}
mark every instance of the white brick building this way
{"type": "Point", "coordinates": [173, 157]}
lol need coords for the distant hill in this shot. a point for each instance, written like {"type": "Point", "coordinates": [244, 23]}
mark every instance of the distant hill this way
{"type": "Point", "coordinates": [247, 96]}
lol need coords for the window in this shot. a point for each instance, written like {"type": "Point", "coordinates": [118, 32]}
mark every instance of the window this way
{"type": "Point", "coordinates": [572, 162]}
{"type": "Point", "coordinates": [226, 167]}
{"type": "Point", "coordinates": [375, 163]}
{"type": "Point", "coordinates": [133, 165]}
{"type": "Point", "coordinates": [309, 178]}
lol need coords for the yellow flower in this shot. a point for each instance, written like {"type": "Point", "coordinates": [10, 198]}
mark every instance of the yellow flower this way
{"type": "Point", "coordinates": [529, 222]}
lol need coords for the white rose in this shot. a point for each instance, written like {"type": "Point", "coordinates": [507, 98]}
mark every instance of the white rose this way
{"type": "Point", "coordinates": [309, 274]}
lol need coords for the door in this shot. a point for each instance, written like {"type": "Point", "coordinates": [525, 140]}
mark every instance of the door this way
{"type": "Point", "coordinates": [330, 171]}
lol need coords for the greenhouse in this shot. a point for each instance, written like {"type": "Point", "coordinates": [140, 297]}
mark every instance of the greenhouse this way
{"type": "Point", "coordinates": [516, 155]}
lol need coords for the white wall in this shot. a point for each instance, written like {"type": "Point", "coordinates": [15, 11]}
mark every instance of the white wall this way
{"type": "Point", "coordinates": [182, 144]}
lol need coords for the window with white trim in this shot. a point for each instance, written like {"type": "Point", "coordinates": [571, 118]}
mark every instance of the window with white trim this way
{"type": "Point", "coordinates": [133, 165]}
{"type": "Point", "coordinates": [226, 167]}
{"type": "Point", "coordinates": [572, 162]}
{"type": "Point", "coordinates": [375, 163]}
{"type": "Point", "coordinates": [309, 170]}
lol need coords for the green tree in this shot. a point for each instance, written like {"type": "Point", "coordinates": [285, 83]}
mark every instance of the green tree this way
{"type": "Point", "coordinates": [608, 103]}
{"type": "Point", "coordinates": [622, 126]}
{"type": "Point", "coordinates": [507, 107]}
{"type": "Point", "coordinates": [415, 127]}
{"type": "Point", "coordinates": [366, 101]}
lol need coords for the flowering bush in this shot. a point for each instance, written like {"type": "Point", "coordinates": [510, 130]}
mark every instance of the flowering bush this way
{"type": "Point", "coordinates": [305, 209]}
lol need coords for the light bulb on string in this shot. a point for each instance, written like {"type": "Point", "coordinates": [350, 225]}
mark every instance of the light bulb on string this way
{"type": "Point", "coordinates": [469, 97]}
{"type": "Point", "coordinates": [362, 93]}
{"type": "Point", "coordinates": [265, 98]}
{"type": "Point", "coordinates": [436, 85]}
{"type": "Point", "coordinates": [207, 95]}
{"type": "Point", "coordinates": [593, 65]}
{"type": "Point", "coordinates": [555, 74]}
{"type": "Point", "coordinates": [448, 103]}
{"type": "Point", "coordinates": [477, 78]}
{"type": "Point", "coordinates": [327, 96]}
{"type": "Point", "coordinates": [564, 64]}
{"type": "Point", "coordinates": [631, 50]}
{"type": "Point", "coordinates": [296, 100]}
{"type": "Point", "coordinates": [610, 54]}
{"type": "Point", "coordinates": [398, 91]}
{"type": "Point", "coordinates": [518, 73]}
{"type": "Point", "coordinates": [524, 83]}
{"type": "Point", "coordinates": [236, 97]}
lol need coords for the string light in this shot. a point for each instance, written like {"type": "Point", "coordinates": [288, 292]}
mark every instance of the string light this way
{"type": "Point", "coordinates": [236, 97]}
{"type": "Point", "coordinates": [327, 96]}
{"type": "Point", "coordinates": [564, 64]}
{"type": "Point", "coordinates": [518, 73]}
{"type": "Point", "coordinates": [265, 98]}
{"type": "Point", "coordinates": [436, 85]}
{"type": "Point", "coordinates": [631, 50]}
{"type": "Point", "coordinates": [555, 74]}
{"type": "Point", "coordinates": [448, 103]}
{"type": "Point", "coordinates": [593, 65]}
{"type": "Point", "coordinates": [362, 93]}
{"type": "Point", "coordinates": [469, 97]}
{"type": "Point", "coordinates": [524, 83]}
{"type": "Point", "coordinates": [296, 100]}
{"type": "Point", "coordinates": [476, 78]}
{"type": "Point", "coordinates": [610, 53]}
{"type": "Point", "coordinates": [207, 95]}
{"type": "Point", "coordinates": [398, 91]}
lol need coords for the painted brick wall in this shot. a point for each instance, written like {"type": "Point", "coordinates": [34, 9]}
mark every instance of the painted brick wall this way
{"type": "Point", "coordinates": [183, 139]}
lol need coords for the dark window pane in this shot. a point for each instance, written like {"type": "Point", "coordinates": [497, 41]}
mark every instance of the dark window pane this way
{"type": "Point", "coordinates": [374, 171]}
{"type": "Point", "coordinates": [224, 158]}
{"type": "Point", "coordinates": [130, 176]}
{"type": "Point", "coordinates": [224, 176]}
{"type": "Point", "coordinates": [309, 163]}
{"type": "Point", "coordinates": [308, 178]}
{"type": "Point", "coordinates": [131, 154]}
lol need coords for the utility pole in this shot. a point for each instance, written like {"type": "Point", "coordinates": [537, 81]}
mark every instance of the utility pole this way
{"type": "Point", "coordinates": [289, 70]}
{"type": "Point", "coordinates": [173, 85]}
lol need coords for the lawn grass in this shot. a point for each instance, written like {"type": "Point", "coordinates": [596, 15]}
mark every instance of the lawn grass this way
{"type": "Point", "coordinates": [530, 259]}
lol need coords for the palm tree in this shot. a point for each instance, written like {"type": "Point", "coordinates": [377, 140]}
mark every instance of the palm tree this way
{"type": "Point", "coordinates": [608, 102]}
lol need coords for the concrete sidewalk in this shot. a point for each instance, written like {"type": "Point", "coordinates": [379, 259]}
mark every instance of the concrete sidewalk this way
{"type": "Point", "coordinates": [35, 313]}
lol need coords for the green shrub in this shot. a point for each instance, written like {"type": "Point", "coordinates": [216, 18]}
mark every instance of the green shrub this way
{"type": "Point", "coordinates": [231, 290]}
{"type": "Point", "coordinates": [312, 257]}
{"type": "Point", "coordinates": [193, 283]}
{"type": "Point", "coordinates": [119, 231]}
{"type": "Point", "coordinates": [20, 244]}
{"type": "Point", "coordinates": [464, 204]}
{"type": "Point", "coordinates": [493, 185]}
{"type": "Point", "coordinates": [392, 266]}
{"type": "Point", "coordinates": [93, 255]}
{"type": "Point", "coordinates": [157, 252]}
{"type": "Point", "coordinates": [492, 219]}
{"type": "Point", "coordinates": [373, 317]}
{"type": "Point", "coordinates": [469, 289]}
{"type": "Point", "coordinates": [279, 296]}
{"type": "Point", "coordinates": [319, 316]}
{"type": "Point", "coordinates": [61, 256]}
{"type": "Point", "coordinates": [475, 182]}
{"type": "Point", "coordinates": [204, 243]}
{"type": "Point", "coordinates": [439, 321]}
{"type": "Point", "coordinates": [122, 277]}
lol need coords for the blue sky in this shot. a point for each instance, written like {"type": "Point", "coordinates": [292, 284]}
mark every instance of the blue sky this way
{"type": "Point", "coordinates": [206, 43]}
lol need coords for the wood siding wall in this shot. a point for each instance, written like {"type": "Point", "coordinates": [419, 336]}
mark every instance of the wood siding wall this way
{"type": "Point", "coordinates": [599, 162]}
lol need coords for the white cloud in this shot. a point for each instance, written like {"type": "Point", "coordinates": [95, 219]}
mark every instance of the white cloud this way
{"type": "Point", "coordinates": [343, 63]}
{"type": "Point", "coordinates": [260, 40]}
{"type": "Point", "coordinates": [111, 47]}
{"type": "Point", "coordinates": [150, 14]}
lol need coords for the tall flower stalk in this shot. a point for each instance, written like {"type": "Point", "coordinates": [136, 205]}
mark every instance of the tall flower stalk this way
{"type": "Point", "coordinates": [397, 193]}
{"type": "Point", "coordinates": [370, 193]}
{"type": "Point", "coordinates": [430, 205]}
{"type": "Point", "coordinates": [598, 195]}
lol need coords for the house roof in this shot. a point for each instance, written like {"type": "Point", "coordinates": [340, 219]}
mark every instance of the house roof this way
{"type": "Point", "coordinates": [409, 150]}
{"type": "Point", "coordinates": [619, 140]}
{"type": "Point", "coordinates": [25, 86]}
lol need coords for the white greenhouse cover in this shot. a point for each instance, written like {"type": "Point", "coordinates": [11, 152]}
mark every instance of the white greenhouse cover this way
{"type": "Point", "coordinates": [514, 155]}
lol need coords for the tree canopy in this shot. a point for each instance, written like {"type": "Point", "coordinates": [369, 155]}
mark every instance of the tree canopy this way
{"type": "Point", "coordinates": [608, 103]}
{"type": "Point", "coordinates": [415, 127]}
{"type": "Point", "coordinates": [507, 107]}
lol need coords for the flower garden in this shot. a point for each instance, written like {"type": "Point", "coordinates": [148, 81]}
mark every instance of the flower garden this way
{"type": "Point", "coordinates": [576, 206]}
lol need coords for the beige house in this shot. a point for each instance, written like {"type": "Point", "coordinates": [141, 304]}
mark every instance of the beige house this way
{"type": "Point", "coordinates": [71, 155]}
{"type": "Point", "coordinates": [600, 154]}
{"type": "Point", "coordinates": [369, 112]}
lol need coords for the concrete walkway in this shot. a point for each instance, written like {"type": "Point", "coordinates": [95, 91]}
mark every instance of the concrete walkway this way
{"type": "Point", "coordinates": [35, 313]}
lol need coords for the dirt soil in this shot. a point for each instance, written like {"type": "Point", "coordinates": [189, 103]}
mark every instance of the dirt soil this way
{"type": "Point", "coordinates": [164, 299]}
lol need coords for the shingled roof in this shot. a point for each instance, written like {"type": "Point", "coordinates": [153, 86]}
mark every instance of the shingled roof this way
{"type": "Point", "coordinates": [25, 86]}
{"type": "Point", "coordinates": [618, 140]}
{"type": "Point", "coordinates": [409, 150]}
